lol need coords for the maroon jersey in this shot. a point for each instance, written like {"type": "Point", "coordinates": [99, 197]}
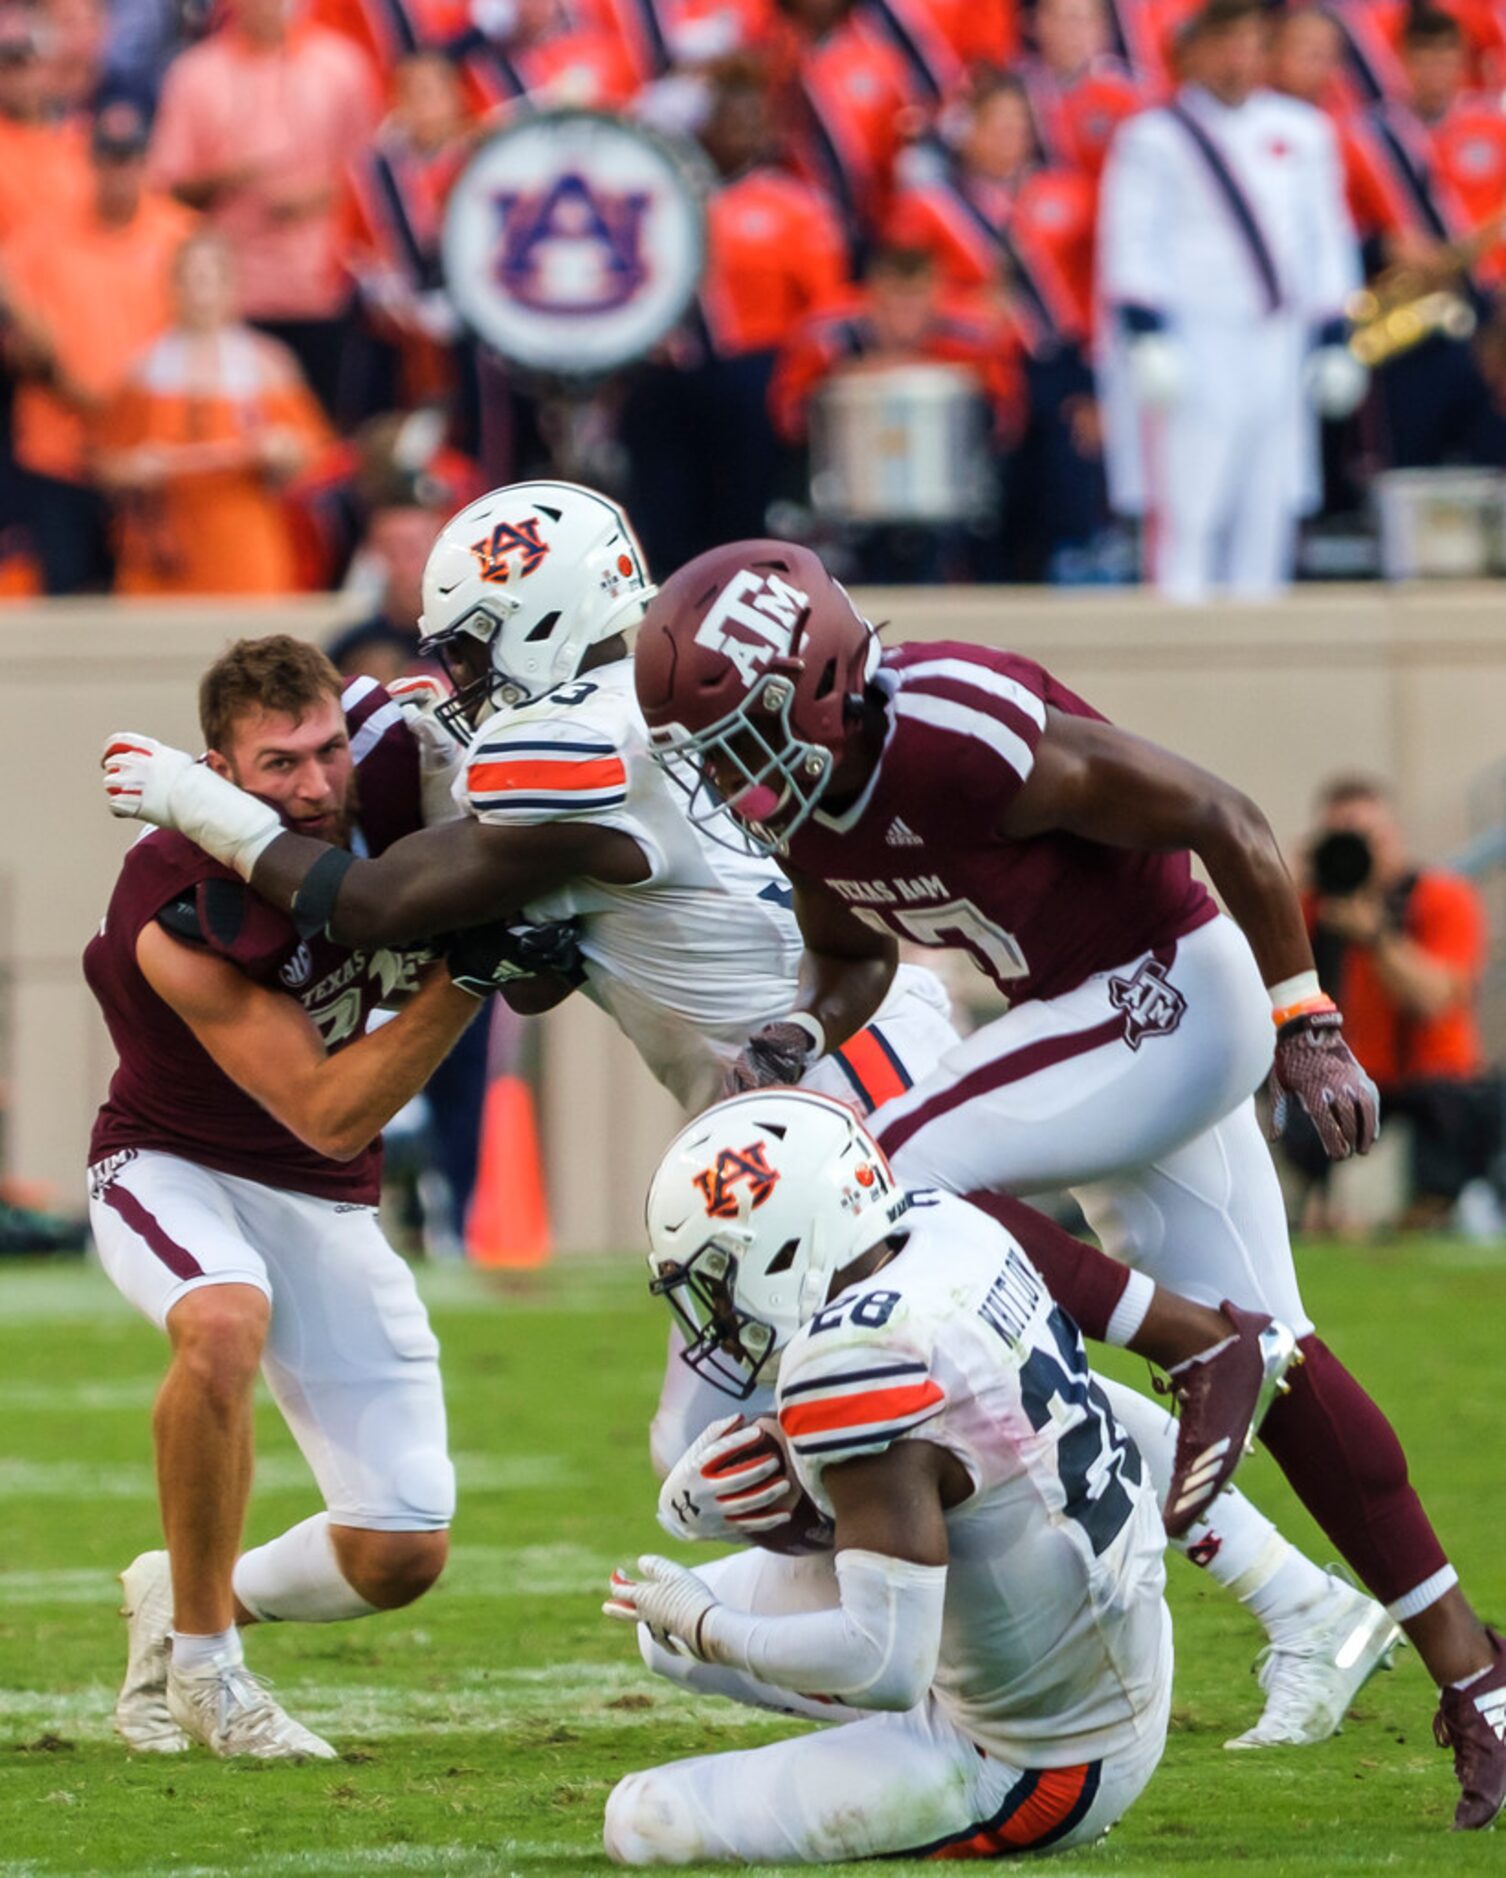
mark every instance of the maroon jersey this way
{"type": "Point", "coordinates": [168, 1093]}
{"type": "Point", "coordinates": [918, 856]}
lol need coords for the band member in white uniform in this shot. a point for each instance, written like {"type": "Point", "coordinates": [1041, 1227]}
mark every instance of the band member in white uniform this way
{"type": "Point", "coordinates": [1225, 258]}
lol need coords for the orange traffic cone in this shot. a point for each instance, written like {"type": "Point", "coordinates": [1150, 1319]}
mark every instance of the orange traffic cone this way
{"type": "Point", "coordinates": [508, 1221]}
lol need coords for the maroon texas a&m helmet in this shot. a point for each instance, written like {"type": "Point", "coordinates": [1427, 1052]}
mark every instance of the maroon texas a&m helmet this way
{"type": "Point", "coordinates": [744, 664]}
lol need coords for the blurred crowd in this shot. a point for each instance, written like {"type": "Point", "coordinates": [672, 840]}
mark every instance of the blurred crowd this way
{"type": "Point", "coordinates": [230, 364]}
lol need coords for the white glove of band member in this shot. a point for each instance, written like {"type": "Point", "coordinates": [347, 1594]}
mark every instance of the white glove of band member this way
{"type": "Point", "coordinates": [1157, 370]}
{"type": "Point", "coordinates": [672, 1601]}
{"type": "Point", "coordinates": [1335, 381]}
{"type": "Point", "coordinates": [149, 781]}
{"type": "Point", "coordinates": [440, 753]}
{"type": "Point", "coordinates": [722, 1488]}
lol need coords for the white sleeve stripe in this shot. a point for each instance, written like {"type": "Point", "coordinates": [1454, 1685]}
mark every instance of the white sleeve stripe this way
{"type": "Point", "coordinates": [373, 730]}
{"type": "Point", "coordinates": [355, 690]}
{"type": "Point", "coordinates": [960, 672]}
{"type": "Point", "coordinates": [942, 714]}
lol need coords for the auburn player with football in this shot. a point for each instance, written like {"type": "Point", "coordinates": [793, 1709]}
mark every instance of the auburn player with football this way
{"type": "Point", "coordinates": [953, 795]}
{"type": "Point", "coordinates": [989, 1630]}
{"type": "Point", "coordinates": [691, 946]}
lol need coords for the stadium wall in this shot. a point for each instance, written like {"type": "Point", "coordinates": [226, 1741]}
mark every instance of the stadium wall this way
{"type": "Point", "coordinates": [1409, 683]}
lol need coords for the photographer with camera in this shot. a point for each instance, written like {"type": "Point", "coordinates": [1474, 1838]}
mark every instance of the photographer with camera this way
{"type": "Point", "coordinates": [1401, 949]}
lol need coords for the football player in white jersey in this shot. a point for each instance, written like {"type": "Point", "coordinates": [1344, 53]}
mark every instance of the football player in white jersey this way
{"type": "Point", "coordinates": [990, 1629]}
{"type": "Point", "coordinates": [547, 805]}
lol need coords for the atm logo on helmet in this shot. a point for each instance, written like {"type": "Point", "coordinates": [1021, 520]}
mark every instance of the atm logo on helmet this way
{"type": "Point", "coordinates": [731, 1169]}
{"type": "Point", "coordinates": [762, 605]}
{"type": "Point", "coordinates": [520, 538]}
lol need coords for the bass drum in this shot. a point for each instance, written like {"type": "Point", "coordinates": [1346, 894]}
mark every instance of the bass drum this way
{"type": "Point", "coordinates": [900, 443]}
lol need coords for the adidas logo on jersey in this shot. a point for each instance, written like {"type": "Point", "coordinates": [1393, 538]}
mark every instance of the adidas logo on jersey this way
{"type": "Point", "coordinates": [899, 836]}
{"type": "Point", "coordinates": [1493, 1708]}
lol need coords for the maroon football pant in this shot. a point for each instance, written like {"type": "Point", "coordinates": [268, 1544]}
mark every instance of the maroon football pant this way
{"type": "Point", "coordinates": [1328, 1437]}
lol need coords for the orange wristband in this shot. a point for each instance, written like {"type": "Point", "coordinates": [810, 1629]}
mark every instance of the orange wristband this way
{"type": "Point", "coordinates": [1305, 1007]}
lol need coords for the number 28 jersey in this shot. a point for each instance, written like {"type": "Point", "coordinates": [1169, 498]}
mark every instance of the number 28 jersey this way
{"type": "Point", "coordinates": [918, 855]}
{"type": "Point", "coordinates": [1056, 1640]}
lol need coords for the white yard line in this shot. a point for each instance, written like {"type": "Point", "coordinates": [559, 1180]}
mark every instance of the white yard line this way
{"type": "Point", "coordinates": [130, 1480]}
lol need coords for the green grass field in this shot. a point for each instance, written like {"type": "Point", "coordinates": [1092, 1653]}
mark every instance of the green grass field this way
{"type": "Point", "coordinates": [483, 1728]}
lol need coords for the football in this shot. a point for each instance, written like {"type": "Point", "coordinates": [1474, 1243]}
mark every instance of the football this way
{"type": "Point", "coordinates": [807, 1529]}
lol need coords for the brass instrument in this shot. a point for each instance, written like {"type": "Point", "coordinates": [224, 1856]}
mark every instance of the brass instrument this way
{"type": "Point", "coordinates": [1411, 301]}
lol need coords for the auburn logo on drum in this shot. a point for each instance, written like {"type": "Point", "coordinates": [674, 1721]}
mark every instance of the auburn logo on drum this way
{"type": "Point", "coordinates": [733, 1167]}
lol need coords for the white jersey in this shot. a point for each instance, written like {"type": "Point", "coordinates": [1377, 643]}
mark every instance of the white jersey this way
{"type": "Point", "coordinates": [1055, 1637]}
{"type": "Point", "coordinates": [688, 962]}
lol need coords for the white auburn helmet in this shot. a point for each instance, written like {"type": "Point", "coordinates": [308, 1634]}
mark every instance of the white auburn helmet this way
{"type": "Point", "coordinates": [753, 1210]}
{"type": "Point", "coordinates": [517, 588]}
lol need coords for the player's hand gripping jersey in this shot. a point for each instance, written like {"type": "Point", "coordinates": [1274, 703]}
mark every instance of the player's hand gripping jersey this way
{"type": "Point", "coordinates": [691, 960]}
{"type": "Point", "coordinates": [1056, 1643]}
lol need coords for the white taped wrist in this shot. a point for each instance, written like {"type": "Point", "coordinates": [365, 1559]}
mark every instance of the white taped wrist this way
{"type": "Point", "coordinates": [221, 819]}
{"type": "Point", "coordinates": [1294, 990]}
{"type": "Point", "coordinates": [877, 1649]}
{"type": "Point", "coordinates": [812, 1027]}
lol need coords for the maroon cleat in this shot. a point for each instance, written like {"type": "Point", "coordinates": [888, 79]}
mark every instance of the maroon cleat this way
{"type": "Point", "coordinates": [1472, 1722]}
{"type": "Point", "coordinates": [1222, 1397]}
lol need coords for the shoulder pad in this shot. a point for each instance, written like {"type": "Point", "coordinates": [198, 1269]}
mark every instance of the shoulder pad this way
{"type": "Point", "coordinates": [859, 1385]}
{"type": "Point", "coordinates": [211, 913]}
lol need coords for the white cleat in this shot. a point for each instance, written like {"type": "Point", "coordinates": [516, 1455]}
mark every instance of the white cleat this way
{"type": "Point", "coordinates": [1316, 1664]}
{"type": "Point", "coordinates": [141, 1717]}
{"type": "Point", "coordinates": [228, 1710]}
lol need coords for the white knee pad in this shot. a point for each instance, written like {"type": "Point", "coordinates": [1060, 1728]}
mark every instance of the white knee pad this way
{"type": "Point", "coordinates": [423, 1484]}
{"type": "Point", "coordinates": [649, 1822]}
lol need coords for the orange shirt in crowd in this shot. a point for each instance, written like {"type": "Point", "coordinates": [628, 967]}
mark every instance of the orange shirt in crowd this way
{"type": "Point", "coordinates": [1075, 119]}
{"type": "Point", "coordinates": [215, 524]}
{"type": "Point", "coordinates": [843, 96]}
{"type": "Point", "coordinates": [960, 334]}
{"type": "Point", "coordinates": [660, 34]}
{"type": "Point", "coordinates": [388, 30]}
{"type": "Point", "coordinates": [1441, 180]}
{"type": "Point", "coordinates": [291, 118]}
{"type": "Point", "coordinates": [1034, 240]}
{"type": "Point", "coordinates": [1446, 919]}
{"type": "Point", "coordinates": [44, 173]}
{"type": "Point", "coordinates": [103, 293]}
{"type": "Point", "coordinates": [585, 69]}
{"type": "Point", "coordinates": [775, 255]}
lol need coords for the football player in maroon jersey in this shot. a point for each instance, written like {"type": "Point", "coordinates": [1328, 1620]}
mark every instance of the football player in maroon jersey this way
{"type": "Point", "coordinates": [956, 796]}
{"type": "Point", "coordinates": [233, 1191]}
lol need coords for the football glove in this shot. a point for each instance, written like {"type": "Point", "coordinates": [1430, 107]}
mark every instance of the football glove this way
{"type": "Point", "coordinates": [439, 754]}
{"type": "Point", "coordinates": [150, 781]}
{"type": "Point", "coordinates": [1316, 1068]}
{"type": "Point", "coordinates": [1157, 370]}
{"type": "Point", "coordinates": [726, 1484]}
{"type": "Point", "coordinates": [1335, 381]}
{"type": "Point", "coordinates": [780, 1053]}
{"type": "Point", "coordinates": [484, 958]}
{"type": "Point", "coordinates": [672, 1601]}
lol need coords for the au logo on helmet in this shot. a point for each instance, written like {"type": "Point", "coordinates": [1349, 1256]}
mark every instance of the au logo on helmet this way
{"type": "Point", "coordinates": [732, 1167]}
{"type": "Point", "coordinates": [520, 538]}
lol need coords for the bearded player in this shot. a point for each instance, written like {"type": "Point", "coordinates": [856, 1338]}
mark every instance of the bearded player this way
{"type": "Point", "coordinates": [690, 947]}
{"type": "Point", "coordinates": [990, 1630]}
{"type": "Point", "coordinates": [233, 1194]}
{"type": "Point", "coordinates": [955, 796]}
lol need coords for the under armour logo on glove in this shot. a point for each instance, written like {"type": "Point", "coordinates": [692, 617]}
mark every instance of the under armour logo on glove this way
{"type": "Point", "coordinates": [1315, 1066]}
